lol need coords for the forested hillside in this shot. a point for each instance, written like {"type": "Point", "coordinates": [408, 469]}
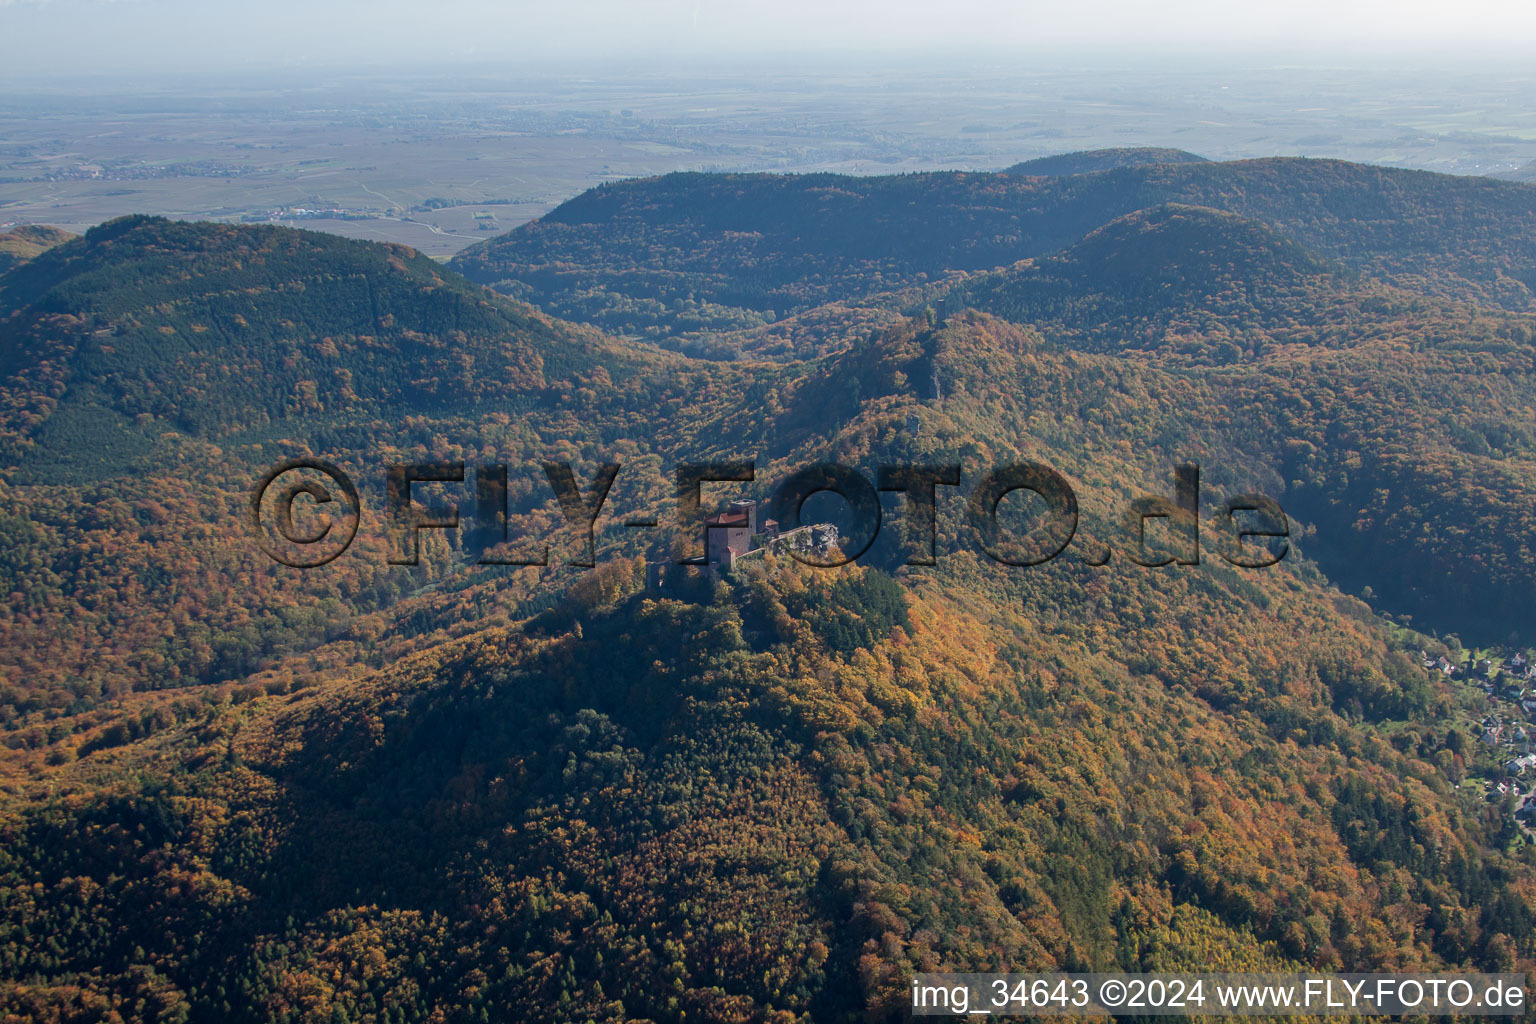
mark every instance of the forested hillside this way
{"type": "Point", "coordinates": [21, 244]}
{"type": "Point", "coordinates": [1168, 278]}
{"type": "Point", "coordinates": [684, 254]}
{"type": "Point", "coordinates": [1089, 160]}
{"type": "Point", "coordinates": [231, 790]}
{"type": "Point", "coordinates": [146, 323]}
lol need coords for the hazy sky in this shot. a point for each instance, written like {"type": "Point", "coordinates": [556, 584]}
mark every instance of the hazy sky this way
{"type": "Point", "coordinates": [153, 35]}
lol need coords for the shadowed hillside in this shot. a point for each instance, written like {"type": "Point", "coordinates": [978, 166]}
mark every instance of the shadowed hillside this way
{"type": "Point", "coordinates": [1089, 160]}
{"type": "Point", "coordinates": [146, 323]}
{"type": "Point", "coordinates": [21, 244]}
{"type": "Point", "coordinates": [1177, 280]}
{"type": "Point", "coordinates": [458, 791]}
{"type": "Point", "coordinates": [687, 254]}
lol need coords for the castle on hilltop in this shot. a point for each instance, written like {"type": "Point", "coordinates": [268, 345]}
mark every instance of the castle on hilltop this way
{"type": "Point", "coordinates": [734, 536]}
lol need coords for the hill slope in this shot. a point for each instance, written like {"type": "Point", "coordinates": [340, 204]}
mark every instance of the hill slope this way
{"type": "Point", "coordinates": [766, 821]}
{"type": "Point", "coordinates": [146, 323]}
{"type": "Point", "coordinates": [779, 795]}
{"type": "Point", "coordinates": [1527, 173]}
{"type": "Point", "coordinates": [153, 370]}
{"type": "Point", "coordinates": [1087, 161]}
{"type": "Point", "coordinates": [692, 253]}
{"type": "Point", "coordinates": [234, 791]}
{"type": "Point", "coordinates": [21, 244]}
{"type": "Point", "coordinates": [1173, 278]}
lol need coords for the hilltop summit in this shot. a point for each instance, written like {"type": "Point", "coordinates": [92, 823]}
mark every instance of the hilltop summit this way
{"type": "Point", "coordinates": [1172, 269]}
{"type": "Point", "coordinates": [1087, 161]}
{"type": "Point", "coordinates": [145, 324]}
{"type": "Point", "coordinates": [694, 254]}
{"type": "Point", "coordinates": [26, 242]}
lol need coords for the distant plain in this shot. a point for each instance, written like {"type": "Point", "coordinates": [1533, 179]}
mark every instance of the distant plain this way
{"type": "Point", "coordinates": [442, 159]}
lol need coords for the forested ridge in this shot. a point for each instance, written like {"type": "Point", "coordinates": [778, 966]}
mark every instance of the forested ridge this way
{"type": "Point", "coordinates": [234, 791]}
{"type": "Point", "coordinates": [1090, 160]}
{"type": "Point", "coordinates": [686, 254]}
{"type": "Point", "coordinates": [23, 243]}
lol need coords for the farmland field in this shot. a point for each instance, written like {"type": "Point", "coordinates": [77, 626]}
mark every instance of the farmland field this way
{"type": "Point", "coordinates": [442, 159]}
